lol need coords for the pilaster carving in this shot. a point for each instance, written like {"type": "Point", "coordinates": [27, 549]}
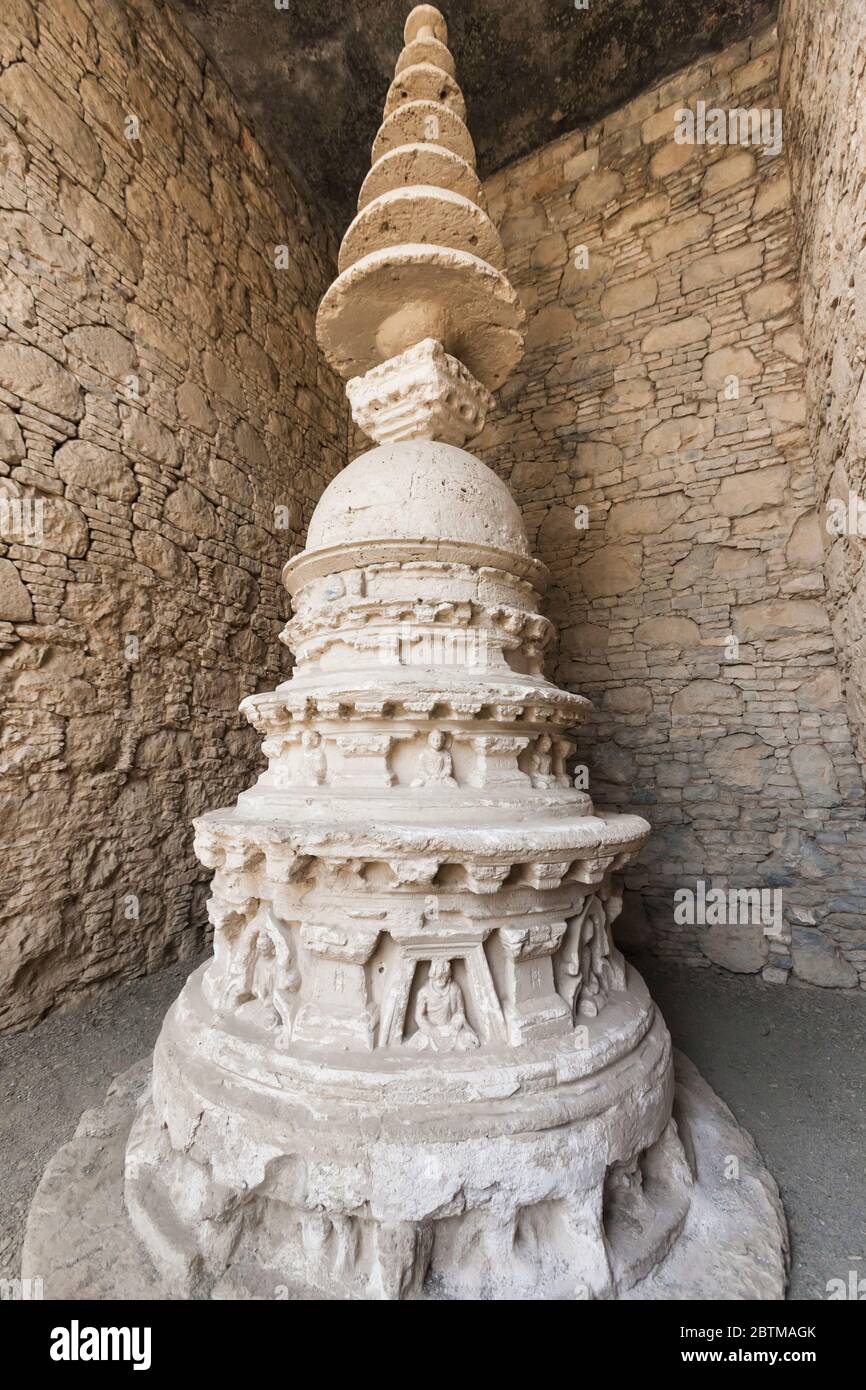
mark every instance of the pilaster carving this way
{"type": "Point", "coordinates": [338, 1013]}
{"type": "Point", "coordinates": [533, 1008]}
{"type": "Point", "coordinates": [496, 760]}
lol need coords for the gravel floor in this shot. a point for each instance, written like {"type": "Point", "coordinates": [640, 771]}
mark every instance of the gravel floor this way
{"type": "Point", "coordinates": [788, 1061]}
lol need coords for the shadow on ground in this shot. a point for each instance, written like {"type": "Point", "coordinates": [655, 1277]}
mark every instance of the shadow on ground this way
{"type": "Point", "coordinates": [789, 1062]}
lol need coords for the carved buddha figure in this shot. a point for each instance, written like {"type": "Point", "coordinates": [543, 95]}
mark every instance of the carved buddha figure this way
{"type": "Point", "coordinates": [440, 1014]}
{"type": "Point", "coordinates": [270, 979]}
{"type": "Point", "coordinates": [436, 763]}
{"type": "Point", "coordinates": [541, 762]}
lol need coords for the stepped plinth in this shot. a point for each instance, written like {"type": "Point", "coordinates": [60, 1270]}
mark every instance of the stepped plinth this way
{"type": "Point", "coordinates": [416, 1066]}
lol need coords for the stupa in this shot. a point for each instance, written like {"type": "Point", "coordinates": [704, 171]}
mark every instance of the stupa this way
{"type": "Point", "coordinates": [416, 1066]}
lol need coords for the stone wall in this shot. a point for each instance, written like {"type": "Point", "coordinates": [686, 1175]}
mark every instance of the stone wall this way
{"type": "Point", "coordinates": [167, 427]}
{"type": "Point", "coordinates": [823, 85]}
{"type": "Point", "coordinates": [663, 391]}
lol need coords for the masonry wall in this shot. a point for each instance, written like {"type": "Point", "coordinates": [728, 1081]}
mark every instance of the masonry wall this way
{"type": "Point", "coordinates": [664, 391]}
{"type": "Point", "coordinates": [162, 399]}
{"type": "Point", "coordinates": [823, 86]}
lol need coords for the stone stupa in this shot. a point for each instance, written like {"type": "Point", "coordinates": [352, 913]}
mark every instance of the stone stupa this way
{"type": "Point", "coordinates": [416, 1065]}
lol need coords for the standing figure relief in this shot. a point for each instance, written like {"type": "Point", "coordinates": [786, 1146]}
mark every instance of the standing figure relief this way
{"type": "Point", "coordinates": [254, 966]}
{"type": "Point", "coordinates": [313, 759]}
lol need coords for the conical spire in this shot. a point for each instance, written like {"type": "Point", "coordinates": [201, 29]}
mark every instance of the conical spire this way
{"type": "Point", "coordinates": [422, 260]}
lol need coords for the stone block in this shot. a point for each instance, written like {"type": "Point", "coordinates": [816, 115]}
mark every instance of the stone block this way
{"type": "Point", "coordinates": [741, 948]}
{"type": "Point", "coordinates": [672, 337]}
{"type": "Point", "coordinates": [16, 605]}
{"type": "Point", "coordinates": [629, 297]}
{"type": "Point", "coordinates": [819, 962]}
{"type": "Point", "coordinates": [81, 463]}
{"type": "Point", "coordinates": [33, 376]}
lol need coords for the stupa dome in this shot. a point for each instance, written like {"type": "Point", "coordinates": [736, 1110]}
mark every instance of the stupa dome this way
{"type": "Point", "coordinates": [418, 490]}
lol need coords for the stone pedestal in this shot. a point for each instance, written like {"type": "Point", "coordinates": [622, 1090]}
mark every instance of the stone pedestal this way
{"type": "Point", "coordinates": [725, 1242]}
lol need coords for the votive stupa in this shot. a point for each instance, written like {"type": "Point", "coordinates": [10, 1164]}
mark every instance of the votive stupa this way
{"type": "Point", "coordinates": [416, 1066]}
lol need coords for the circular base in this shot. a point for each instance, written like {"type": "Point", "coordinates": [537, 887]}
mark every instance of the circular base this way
{"type": "Point", "coordinates": [490, 1172]}
{"type": "Point", "coordinates": [730, 1243]}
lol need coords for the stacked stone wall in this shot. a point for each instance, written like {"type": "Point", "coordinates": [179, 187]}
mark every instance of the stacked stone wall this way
{"type": "Point", "coordinates": [167, 426]}
{"type": "Point", "coordinates": [657, 439]}
{"type": "Point", "coordinates": [823, 87]}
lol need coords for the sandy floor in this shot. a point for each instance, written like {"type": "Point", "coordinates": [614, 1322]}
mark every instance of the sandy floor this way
{"type": "Point", "coordinates": [788, 1061]}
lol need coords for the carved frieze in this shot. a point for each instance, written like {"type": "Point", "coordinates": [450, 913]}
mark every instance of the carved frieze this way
{"type": "Point", "coordinates": [589, 967]}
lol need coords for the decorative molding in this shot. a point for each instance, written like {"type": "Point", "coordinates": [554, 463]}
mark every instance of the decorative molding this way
{"type": "Point", "coordinates": [423, 393]}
